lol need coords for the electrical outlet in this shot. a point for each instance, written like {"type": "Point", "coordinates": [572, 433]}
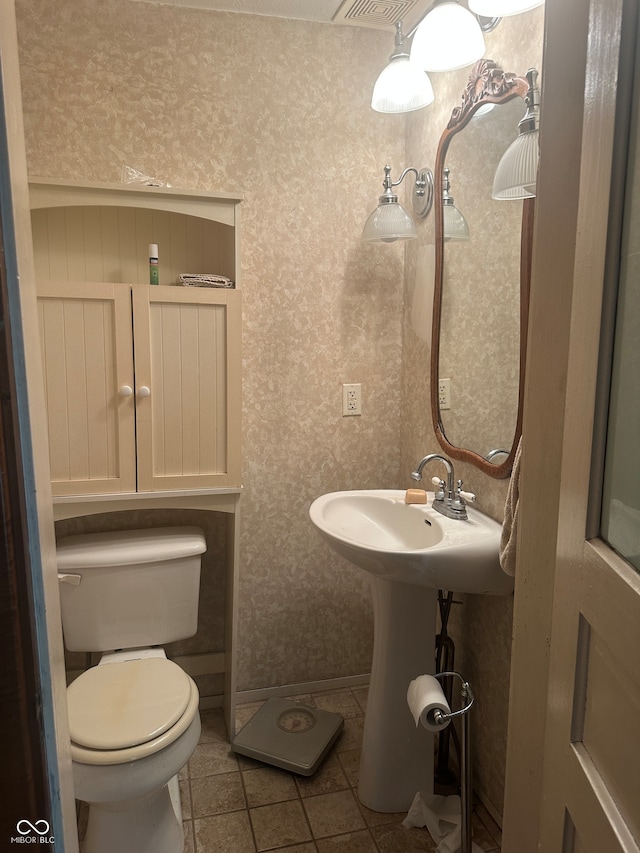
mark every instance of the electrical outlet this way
{"type": "Point", "coordinates": [444, 394]}
{"type": "Point", "coordinates": [351, 400]}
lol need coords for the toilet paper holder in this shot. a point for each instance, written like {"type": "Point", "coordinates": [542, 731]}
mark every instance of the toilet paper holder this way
{"type": "Point", "coordinates": [466, 780]}
{"type": "Point", "coordinates": [466, 694]}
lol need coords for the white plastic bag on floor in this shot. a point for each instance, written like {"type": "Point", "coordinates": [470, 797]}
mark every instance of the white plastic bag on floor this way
{"type": "Point", "coordinates": [441, 816]}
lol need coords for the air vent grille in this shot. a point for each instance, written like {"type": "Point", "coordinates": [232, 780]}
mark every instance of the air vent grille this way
{"type": "Point", "coordinates": [380, 14]}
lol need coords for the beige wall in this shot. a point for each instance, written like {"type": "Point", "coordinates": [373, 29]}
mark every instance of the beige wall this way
{"type": "Point", "coordinates": [280, 111]}
{"type": "Point", "coordinates": [482, 627]}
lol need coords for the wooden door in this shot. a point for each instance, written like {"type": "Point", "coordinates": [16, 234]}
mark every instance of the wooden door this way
{"type": "Point", "coordinates": [87, 353]}
{"type": "Point", "coordinates": [187, 357]}
{"type": "Point", "coordinates": [573, 774]}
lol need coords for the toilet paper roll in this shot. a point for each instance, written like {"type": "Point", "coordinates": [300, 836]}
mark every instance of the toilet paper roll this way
{"type": "Point", "coordinates": [424, 697]}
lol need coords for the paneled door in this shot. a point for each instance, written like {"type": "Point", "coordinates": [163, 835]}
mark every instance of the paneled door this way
{"type": "Point", "coordinates": [86, 341]}
{"type": "Point", "coordinates": [573, 782]}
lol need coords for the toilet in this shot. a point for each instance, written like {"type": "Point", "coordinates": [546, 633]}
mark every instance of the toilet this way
{"type": "Point", "coordinates": [133, 718]}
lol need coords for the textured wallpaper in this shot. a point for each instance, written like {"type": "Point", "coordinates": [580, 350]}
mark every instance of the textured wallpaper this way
{"type": "Point", "coordinates": [279, 110]}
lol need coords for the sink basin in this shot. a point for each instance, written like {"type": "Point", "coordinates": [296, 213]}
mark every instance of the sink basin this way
{"type": "Point", "coordinates": [412, 543]}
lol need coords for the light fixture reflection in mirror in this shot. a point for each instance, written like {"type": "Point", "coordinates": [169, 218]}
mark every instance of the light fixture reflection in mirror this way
{"type": "Point", "coordinates": [484, 110]}
{"type": "Point", "coordinates": [401, 87]}
{"type": "Point", "coordinates": [454, 225]}
{"type": "Point", "coordinates": [448, 38]}
{"type": "Point", "coordinates": [390, 221]}
{"type": "Point", "coordinates": [517, 171]}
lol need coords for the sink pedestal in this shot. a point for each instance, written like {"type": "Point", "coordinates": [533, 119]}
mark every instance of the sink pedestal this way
{"type": "Point", "coordinates": [397, 757]}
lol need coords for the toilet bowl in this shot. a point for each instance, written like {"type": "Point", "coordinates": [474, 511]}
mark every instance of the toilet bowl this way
{"type": "Point", "coordinates": [124, 756]}
{"type": "Point", "coordinates": [133, 718]}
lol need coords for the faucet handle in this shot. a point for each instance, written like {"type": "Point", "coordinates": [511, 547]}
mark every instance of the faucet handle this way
{"type": "Point", "coordinates": [441, 486]}
{"type": "Point", "coordinates": [469, 497]}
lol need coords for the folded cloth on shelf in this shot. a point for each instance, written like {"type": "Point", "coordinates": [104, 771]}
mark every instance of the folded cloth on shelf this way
{"type": "Point", "coordinates": [509, 538]}
{"type": "Point", "coordinates": [204, 280]}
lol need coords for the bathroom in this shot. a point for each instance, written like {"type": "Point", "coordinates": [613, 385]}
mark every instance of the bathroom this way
{"type": "Point", "coordinates": [247, 104]}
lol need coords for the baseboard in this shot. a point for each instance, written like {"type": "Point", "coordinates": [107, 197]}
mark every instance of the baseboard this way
{"type": "Point", "coordinates": [243, 697]}
{"type": "Point", "coordinates": [210, 703]}
{"type": "Point", "coordinates": [486, 802]}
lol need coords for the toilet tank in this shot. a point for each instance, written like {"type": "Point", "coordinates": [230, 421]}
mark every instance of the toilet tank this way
{"type": "Point", "coordinates": [125, 589]}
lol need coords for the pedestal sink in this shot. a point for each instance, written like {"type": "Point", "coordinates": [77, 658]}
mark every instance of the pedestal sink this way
{"type": "Point", "coordinates": [410, 551]}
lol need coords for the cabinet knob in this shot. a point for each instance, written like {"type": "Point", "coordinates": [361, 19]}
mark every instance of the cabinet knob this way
{"type": "Point", "coordinates": [144, 391]}
{"type": "Point", "coordinates": [126, 390]}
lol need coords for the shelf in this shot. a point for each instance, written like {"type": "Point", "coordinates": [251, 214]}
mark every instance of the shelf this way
{"type": "Point", "coordinates": [213, 500]}
{"type": "Point", "coordinates": [216, 206]}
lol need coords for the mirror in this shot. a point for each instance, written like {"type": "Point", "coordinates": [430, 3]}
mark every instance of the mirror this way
{"type": "Point", "coordinates": [482, 279]}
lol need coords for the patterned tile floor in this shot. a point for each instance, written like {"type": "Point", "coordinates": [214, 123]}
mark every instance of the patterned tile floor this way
{"type": "Point", "coordinates": [232, 804]}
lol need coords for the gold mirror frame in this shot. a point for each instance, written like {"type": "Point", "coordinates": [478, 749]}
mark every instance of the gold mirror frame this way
{"type": "Point", "coordinates": [488, 84]}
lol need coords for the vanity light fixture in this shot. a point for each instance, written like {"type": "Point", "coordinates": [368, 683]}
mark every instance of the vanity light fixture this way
{"type": "Point", "coordinates": [390, 221]}
{"type": "Point", "coordinates": [454, 225]}
{"type": "Point", "coordinates": [401, 86]}
{"type": "Point", "coordinates": [448, 38]}
{"type": "Point", "coordinates": [502, 8]}
{"type": "Point", "coordinates": [517, 170]}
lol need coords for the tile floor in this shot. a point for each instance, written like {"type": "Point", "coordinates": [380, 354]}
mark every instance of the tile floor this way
{"type": "Point", "coordinates": [232, 804]}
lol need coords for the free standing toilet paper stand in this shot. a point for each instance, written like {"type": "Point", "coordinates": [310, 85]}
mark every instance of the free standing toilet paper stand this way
{"type": "Point", "coordinates": [441, 718]}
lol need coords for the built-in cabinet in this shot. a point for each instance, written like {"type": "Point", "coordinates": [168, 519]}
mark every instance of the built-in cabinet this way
{"type": "Point", "coordinates": [142, 386]}
{"type": "Point", "coordinates": [142, 382]}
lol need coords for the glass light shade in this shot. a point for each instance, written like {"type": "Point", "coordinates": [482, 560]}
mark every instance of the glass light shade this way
{"type": "Point", "coordinates": [502, 8]}
{"type": "Point", "coordinates": [517, 171]}
{"type": "Point", "coordinates": [454, 225]}
{"type": "Point", "coordinates": [449, 37]}
{"type": "Point", "coordinates": [389, 222]}
{"type": "Point", "coordinates": [401, 88]}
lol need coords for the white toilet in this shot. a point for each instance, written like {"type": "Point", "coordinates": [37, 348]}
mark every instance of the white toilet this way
{"type": "Point", "coordinates": [133, 718]}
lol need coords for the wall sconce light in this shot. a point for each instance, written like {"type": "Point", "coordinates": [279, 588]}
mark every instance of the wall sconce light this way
{"type": "Point", "coordinates": [448, 38]}
{"type": "Point", "coordinates": [517, 170]}
{"type": "Point", "coordinates": [454, 225]}
{"type": "Point", "coordinates": [402, 86]}
{"type": "Point", "coordinates": [502, 8]}
{"type": "Point", "coordinates": [390, 221]}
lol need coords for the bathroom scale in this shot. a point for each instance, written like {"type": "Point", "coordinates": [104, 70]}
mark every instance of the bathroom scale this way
{"type": "Point", "coordinates": [289, 735]}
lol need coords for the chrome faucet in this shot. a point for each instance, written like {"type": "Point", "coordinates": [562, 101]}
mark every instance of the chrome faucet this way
{"type": "Point", "coordinates": [447, 501]}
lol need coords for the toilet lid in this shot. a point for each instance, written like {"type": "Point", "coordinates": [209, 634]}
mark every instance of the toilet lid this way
{"type": "Point", "coordinates": [118, 705]}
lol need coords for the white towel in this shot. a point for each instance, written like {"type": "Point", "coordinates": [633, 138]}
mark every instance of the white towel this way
{"type": "Point", "coordinates": [442, 817]}
{"type": "Point", "coordinates": [509, 538]}
{"type": "Point", "coordinates": [204, 280]}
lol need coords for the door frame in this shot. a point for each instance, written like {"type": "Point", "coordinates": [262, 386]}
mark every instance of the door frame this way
{"type": "Point", "coordinates": [47, 688]}
{"type": "Point", "coordinates": [579, 88]}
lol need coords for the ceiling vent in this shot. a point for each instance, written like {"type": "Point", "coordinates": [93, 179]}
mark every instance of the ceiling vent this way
{"type": "Point", "coordinates": [381, 14]}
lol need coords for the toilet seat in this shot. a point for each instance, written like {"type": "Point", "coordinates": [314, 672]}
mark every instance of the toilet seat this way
{"type": "Point", "coordinates": [120, 712]}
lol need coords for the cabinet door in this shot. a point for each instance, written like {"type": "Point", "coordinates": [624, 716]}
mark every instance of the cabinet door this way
{"type": "Point", "coordinates": [87, 352]}
{"type": "Point", "coordinates": [188, 374]}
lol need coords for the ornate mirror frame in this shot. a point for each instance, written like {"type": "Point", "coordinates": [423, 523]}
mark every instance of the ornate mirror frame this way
{"type": "Point", "coordinates": [488, 84]}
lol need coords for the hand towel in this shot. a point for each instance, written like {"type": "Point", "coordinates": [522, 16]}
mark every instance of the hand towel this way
{"type": "Point", "coordinates": [509, 538]}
